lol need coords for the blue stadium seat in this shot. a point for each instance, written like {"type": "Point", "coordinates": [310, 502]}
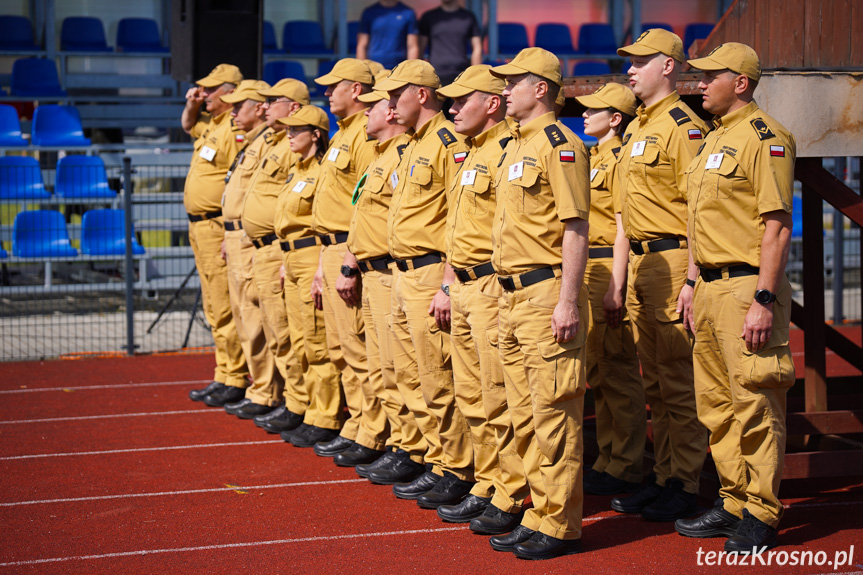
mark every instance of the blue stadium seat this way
{"type": "Point", "coordinates": [334, 127]}
{"type": "Point", "coordinates": [555, 38]}
{"type": "Point", "coordinates": [270, 45]}
{"type": "Point", "coordinates": [139, 35]}
{"type": "Point", "coordinates": [279, 70]}
{"type": "Point", "coordinates": [511, 37]}
{"type": "Point", "coordinates": [16, 33]}
{"type": "Point", "coordinates": [83, 34]}
{"type": "Point", "coordinates": [41, 234]}
{"type": "Point", "coordinates": [55, 125]}
{"type": "Point", "coordinates": [10, 127]}
{"type": "Point", "coordinates": [695, 31]}
{"type": "Point", "coordinates": [591, 68]}
{"type": "Point", "coordinates": [103, 233]}
{"type": "Point", "coordinates": [35, 77]}
{"type": "Point", "coordinates": [21, 178]}
{"type": "Point", "coordinates": [576, 124]}
{"type": "Point", "coordinates": [82, 177]}
{"type": "Point", "coordinates": [596, 39]}
{"type": "Point", "coordinates": [304, 37]}
{"type": "Point", "coordinates": [3, 254]}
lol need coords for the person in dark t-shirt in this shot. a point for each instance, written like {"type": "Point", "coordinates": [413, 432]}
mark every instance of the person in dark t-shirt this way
{"type": "Point", "coordinates": [453, 37]}
{"type": "Point", "coordinates": [388, 33]}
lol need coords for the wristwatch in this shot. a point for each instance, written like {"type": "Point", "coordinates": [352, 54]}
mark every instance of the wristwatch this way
{"type": "Point", "coordinates": [348, 271]}
{"type": "Point", "coordinates": [445, 289]}
{"type": "Point", "coordinates": [764, 296]}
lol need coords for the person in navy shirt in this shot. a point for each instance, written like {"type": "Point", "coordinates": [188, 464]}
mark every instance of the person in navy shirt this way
{"type": "Point", "coordinates": [388, 33]}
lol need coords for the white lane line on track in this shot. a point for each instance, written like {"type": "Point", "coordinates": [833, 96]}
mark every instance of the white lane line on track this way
{"type": "Point", "coordinates": [85, 417]}
{"type": "Point", "coordinates": [109, 451]}
{"type": "Point", "coordinates": [232, 545]}
{"type": "Point", "coordinates": [115, 386]}
{"type": "Point", "coordinates": [184, 492]}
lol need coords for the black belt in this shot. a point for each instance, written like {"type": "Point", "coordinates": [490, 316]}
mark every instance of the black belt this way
{"type": "Point", "coordinates": [474, 273]}
{"type": "Point", "coordinates": [298, 244]}
{"type": "Point", "coordinates": [421, 261]}
{"type": "Point", "coordinates": [232, 226]}
{"type": "Point", "coordinates": [526, 279]}
{"type": "Point", "coordinates": [737, 271]}
{"type": "Point", "coordinates": [264, 241]}
{"type": "Point", "coordinates": [330, 239]}
{"type": "Point", "coordinates": [600, 253]}
{"type": "Point", "coordinates": [202, 217]}
{"type": "Point", "coordinates": [378, 264]}
{"type": "Point", "coordinates": [654, 246]}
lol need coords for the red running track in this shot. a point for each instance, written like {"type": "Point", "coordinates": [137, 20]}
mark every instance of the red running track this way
{"type": "Point", "coordinates": [107, 467]}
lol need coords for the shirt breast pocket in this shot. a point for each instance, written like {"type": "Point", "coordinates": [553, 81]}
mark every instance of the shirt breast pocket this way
{"type": "Point", "coordinates": [343, 160]}
{"type": "Point", "coordinates": [419, 179]}
{"type": "Point", "coordinates": [371, 198]}
{"type": "Point", "coordinates": [529, 185]}
{"type": "Point", "coordinates": [249, 162]}
{"type": "Point", "coordinates": [301, 201]}
{"type": "Point", "coordinates": [728, 174]}
{"type": "Point", "coordinates": [477, 196]}
{"type": "Point", "coordinates": [597, 182]}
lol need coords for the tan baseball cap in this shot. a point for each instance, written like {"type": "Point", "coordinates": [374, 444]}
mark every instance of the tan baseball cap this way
{"type": "Point", "coordinates": [375, 67]}
{"type": "Point", "coordinates": [417, 72]}
{"type": "Point", "coordinates": [376, 96]}
{"type": "Point", "coordinates": [610, 95]}
{"type": "Point", "coordinates": [246, 90]}
{"type": "Point", "coordinates": [474, 79]}
{"type": "Point", "coordinates": [561, 99]}
{"type": "Point", "coordinates": [288, 88]}
{"type": "Point", "coordinates": [308, 116]}
{"type": "Point", "coordinates": [733, 56]}
{"type": "Point", "coordinates": [221, 74]}
{"type": "Point", "coordinates": [534, 61]}
{"type": "Point", "coordinates": [347, 69]}
{"type": "Point", "coordinates": [655, 41]}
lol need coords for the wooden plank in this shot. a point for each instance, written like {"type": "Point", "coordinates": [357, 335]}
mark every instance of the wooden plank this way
{"type": "Point", "coordinates": [824, 422]}
{"type": "Point", "coordinates": [815, 356]}
{"type": "Point", "coordinates": [812, 33]}
{"type": "Point", "coordinates": [841, 345]}
{"type": "Point", "coordinates": [822, 464]}
{"type": "Point", "coordinates": [810, 172]}
{"type": "Point", "coordinates": [856, 31]}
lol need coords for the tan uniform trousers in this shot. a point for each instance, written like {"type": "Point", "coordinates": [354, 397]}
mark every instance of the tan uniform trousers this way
{"type": "Point", "coordinates": [206, 237]}
{"type": "Point", "coordinates": [377, 312]}
{"type": "Point", "coordinates": [480, 392]}
{"type": "Point", "coordinates": [424, 373]}
{"type": "Point", "coordinates": [246, 310]}
{"type": "Point", "coordinates": [741, 395]}
{"type": "Point", "coordinates": [614, 376]}
{"type": "Point", "coordinates": [265, 268]}
{"type": "Point", "coordinates": [665, 350]}
{"type": "Point", "coordinates": [306, 325]}
{"type": "Point", "coordinates": [545, 386]}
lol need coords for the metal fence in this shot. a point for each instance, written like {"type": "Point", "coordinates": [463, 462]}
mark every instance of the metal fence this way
{"type": "Point", "coordinates": [88, 268]}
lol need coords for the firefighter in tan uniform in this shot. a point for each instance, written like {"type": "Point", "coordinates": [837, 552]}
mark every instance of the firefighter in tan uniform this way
{"type": "Point", "coordinates": [613, 372]}
{"type": "Point", "coordinates": [421, 307]}
{"type": "Point", "coordinates": [249, 115]}
{"type": "Point", "coordinates": [539, 239]}
{"type": "Point", "coordinates": [367, 242]}
{"type": "Point", "coordinates": [336, 285]}
{"type": "Point", "coordinates": [657, 148]}
{"type": "Point", "coordinates": [480, 115]}
{"type": "Point", "coordinates": [739, 191]}
{"type": "Point", "coordinates": [308, 134]}
{"type": "Point", "coordinates": [217, 142]}
{"type": "Point", "coordinates": [259, 225]}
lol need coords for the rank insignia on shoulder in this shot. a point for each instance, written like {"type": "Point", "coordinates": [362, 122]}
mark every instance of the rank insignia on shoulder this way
{"type": "Point", "coordinates": [555, 136]}
{"type": "Point", "coordinates": [401, 149]}
{"type": "Point", "coordinates": [701, 147]}
{"type": "Point", "coordinates": [777, 151]}
{"type": "Point", "coordinates": [502, 156]}
{"type": "Point", "coordinates": [446, 137]}
{"type": "Point", "coordinates": [625, 139]}
{"type": "Point", "coordinates": [459, 157]}
{"type": "Point", "coordinates": [290, 177]}
{"type": "Point", "coordinates": [504, 141]}
{"type": "Point", "coordinates": [695, 134]}
{"type": "Point", "coordinates": [764, 131]}
{"type": "Point", "coordinates": [616, 151]}
{"type": "Point", "coordinates": [567, 156]}
{"type": "Point", "coordinates": [679, 116]}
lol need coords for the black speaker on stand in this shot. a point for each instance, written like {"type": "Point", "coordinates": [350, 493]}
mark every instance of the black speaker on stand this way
{"type": "Point", "coordinates": [206, 33]}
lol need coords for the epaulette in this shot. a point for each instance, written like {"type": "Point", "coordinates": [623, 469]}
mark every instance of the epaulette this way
{"type": "Point", "coordinates": [446, 137]}
{"type": "Point", "coordinates": [401, 149]}
{"type": "Point", "coordinates": [268, 137]}
{"type": "Point", "coordinates": [234, 126]}
{"type": "Point", "coordinates": [555, 136]}
{"type": "Point", "coordinates": [504, 141]}
{"type": "Point", "coordinates": [290, 177]}
{"type": "Point", "coordinates": [500, 162]}
{"type": "Point", "coordinates": [701, 147]}
{"type": "Point", "coordinates": [679, 116]}
{"type": "Point", "coordinates": [763, 130]}
{"type": "Point", "coordinates": [626, 139]}
{"type": "Point", "coordinates": [616, 152]}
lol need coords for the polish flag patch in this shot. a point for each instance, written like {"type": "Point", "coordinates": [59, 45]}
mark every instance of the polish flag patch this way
{"type": "Point", "coordinates": [240, 138]}
{"type": "Point", "coordinates": [567, 156]}
{"type": "Point", "coordinates": [777, 151]}
{"type": "Point", "coordinates": [459, 157]}
{"type": "Point", "coordinates": [695, 135]}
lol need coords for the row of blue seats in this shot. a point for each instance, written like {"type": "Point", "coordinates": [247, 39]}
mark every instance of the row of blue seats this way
{"type": "Point", "coordinates": [77, 177]}
{"type": "Point", "coordinates": [52, 125]}
{"type": "Point", "coordinates": [84, 34]}
{"type": "Point", "coordinates": [43, 234]}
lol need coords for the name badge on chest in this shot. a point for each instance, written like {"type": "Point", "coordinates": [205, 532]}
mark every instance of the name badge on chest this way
{"type": "Point", "coordinates": [207, 153]}
{"type": "Point", "coordinates": [394, 180]}
{"type": "Point", "coordinates": [299, 187]}
{"type": "Point", "coordinates": [713, 161]}
{"type": "Point", "coordinates": [334, 153]}
{"type": "Point", "coordinates": [515, 171]}
{"type": "Point", "coordinates": [638, 148]}
{"type": "Point", "coordinates": [593, 173]}
{"type": "Point", "coordinates": [468, 177]}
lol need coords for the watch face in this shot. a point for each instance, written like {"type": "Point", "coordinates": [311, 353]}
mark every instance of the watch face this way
{"type": "Point", "coordinates": [763, 296]}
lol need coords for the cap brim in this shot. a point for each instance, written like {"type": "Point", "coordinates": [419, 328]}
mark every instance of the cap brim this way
{"type": "Point", "coordinates": [591, 101]}
{"type": "Point", "coordinates": [455, 91]}
{"type": "Point", "coordinates": [270, 93]}
{"type": "Point", "coordinates": [707, 64]}
{"type": "Point", "coordinates": [388, 85]}
{"type": "Point", "coordinates": [507, 70]}
{"type": "Point", "coordinates": [637, 50]}
{"type": "Point", "coordinates": [233, 98]}
{"type": "Point", "coordinates": [209, 82]}
{"type": "Point", "coordinates": [291, 121]}
{"type": "Point", "coordinates": [328, 80]}
{"type": "Point", "coordinates": [373, 97]}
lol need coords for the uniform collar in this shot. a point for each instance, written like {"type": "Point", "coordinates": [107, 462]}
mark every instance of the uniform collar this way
{"type": "Point", "coordinates": [493, 133]}
{"type": "Point", "coordinates": [253, 133]}
{"type": "Point", "coordinates": [279, 136]}
{"type": "Point", "coordinates": [304, 164]}
{"type": "Point", "coordinates": [650, 112]}
{"type": "Point", "coordinates": [381, 147]}
{"type": "Point", "coordinates": [221, 117]}
{"type": "Point", "coordinates": [728, 121]}
{"type": "Point", "coordinates": [433, 123]}
{"type": "Point", "coordinates": [535, 126]}
{"type": "Point", "coordinates": [345, 123]}
{"type": "Point", "coordinates": [605, 147]}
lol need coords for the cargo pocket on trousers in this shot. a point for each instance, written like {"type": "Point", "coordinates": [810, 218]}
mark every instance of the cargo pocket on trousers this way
{"type": "Point", "coordinates": [436, 347]}
{"type": "Point", "coordinates": [561, 357]}
{"type": "Point", "coordinates": [769, 368]}
{"type": "Point", "coordinates": [492, 360]}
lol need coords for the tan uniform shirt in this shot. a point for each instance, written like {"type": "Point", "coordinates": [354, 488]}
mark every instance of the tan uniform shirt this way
{"type": "Point", "coordinates": [349, 154]}
{"type": "Point", "coordinates": [657, 148]}
{"type": "Point", "coordinates": [472, 200]}
{"type": "Point", "coordinates": [745, 169]}
{"type": "Point", "coordinates": [542, 181]}
{"type": "Point", "coordinates": [367, 239]}
{"type": "Point", "coordinates": [417, 220]}
{"type": "Point", "coordinates": [603, 163]}
{"type": "Point", "coordinates": [259, 210]}
{"type": "Point", "coordinates": [216, 145]}
{"type": "Point", "coordinates": [241, 176]}
{"type": "Point", "coordinates": [294, 208]}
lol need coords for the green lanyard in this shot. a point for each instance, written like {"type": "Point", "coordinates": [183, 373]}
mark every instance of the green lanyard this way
{"type": "Point", "coordinates": [358, 189]}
